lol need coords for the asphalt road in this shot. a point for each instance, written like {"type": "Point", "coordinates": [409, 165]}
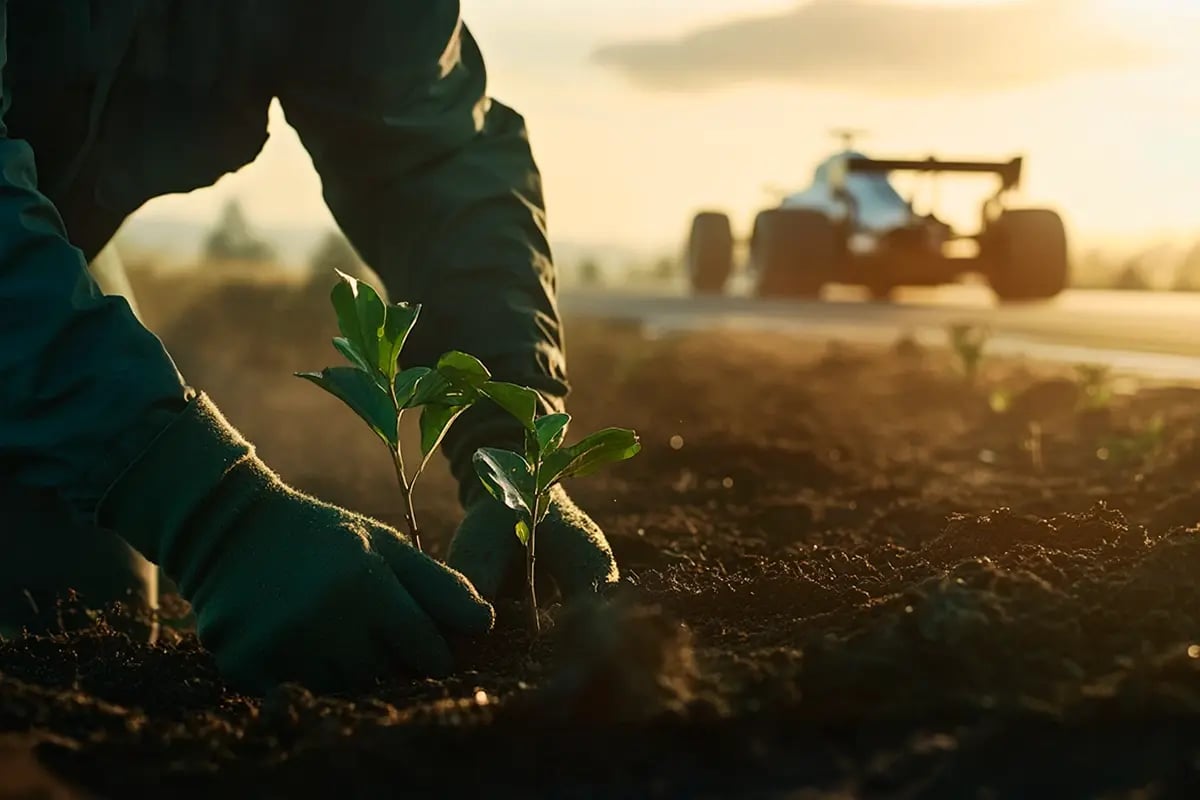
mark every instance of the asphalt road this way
{"type": "Point", "coordinates": [1151, 333]}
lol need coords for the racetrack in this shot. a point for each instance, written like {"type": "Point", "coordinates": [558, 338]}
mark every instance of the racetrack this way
{"type": "Point", "coordinates": [1137, 332]}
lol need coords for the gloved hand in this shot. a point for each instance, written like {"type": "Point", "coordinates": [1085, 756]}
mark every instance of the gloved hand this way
{"type": "Point", "coordinates": [285, 588]}
{"type": "Point", "coordinates": [571, 548]}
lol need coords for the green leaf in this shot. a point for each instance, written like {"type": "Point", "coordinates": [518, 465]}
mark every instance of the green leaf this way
{"type": "Point", "coordinates": [434, 389]}
{"type": "Point", "coordinates": [435, 422]}
{"type": "Point", "coordinates": [463, 371]}
{"type": "Point", "coordinates": [603, 447]}
{"type": "Point", "coordinates": [523, 532]}
{"type": "Point", "coordinates": [453, 383]}
{"type": "Point", "coordinates": [398, 323]}
{"type": "Point", "coordinates": [519, 401]}
{"type": "Point", "coordinates": [360, 315]}
{"type": "Point", "coordinates": [551, 430]}
{"type": "Point", "coordinates": [508, 478]}
{"type": "Point", "coordinates": [363, 395]}
{"type": "Point", "coordinates": [343, 346]}
{"type": "Point", "coordinates": [408, 384]}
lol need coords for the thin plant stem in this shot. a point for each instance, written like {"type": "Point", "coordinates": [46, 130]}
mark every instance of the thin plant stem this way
{"type": "Point", "coordinates": [410, 516]}
{"type": "Point", "coordinates": [535, 622]}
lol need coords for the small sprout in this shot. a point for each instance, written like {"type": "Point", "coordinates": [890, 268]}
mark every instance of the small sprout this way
{"type": "Point", "coordinates": [523, 481]}
{"type": "Point", "coordinates": [1095, 386]}
{"type": "Point", "coordinates": [374, 387]}
{"type": "Point", "coordinates": [968, 343]}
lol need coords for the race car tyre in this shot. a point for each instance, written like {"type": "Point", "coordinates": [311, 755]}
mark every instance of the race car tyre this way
{"type": "Point", "coordinates": [793, 252]}
{"type": "Point", "coordinates": [1027, 254]}
{"type": "Point", "coordinates": [710, 253]}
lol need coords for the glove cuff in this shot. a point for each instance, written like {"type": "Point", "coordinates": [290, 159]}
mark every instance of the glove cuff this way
{"type": "Point", "coordinates": [151, 502]}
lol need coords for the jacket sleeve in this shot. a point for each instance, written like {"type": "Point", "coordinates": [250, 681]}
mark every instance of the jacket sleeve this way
{"type": "Point", "coordinates": [83, 386]}
{"type": "Point", "coordinates": [435, 185]}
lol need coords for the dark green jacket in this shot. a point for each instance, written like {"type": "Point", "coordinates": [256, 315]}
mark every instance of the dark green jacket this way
{"type": "Point", "coordinates": [125, 100]}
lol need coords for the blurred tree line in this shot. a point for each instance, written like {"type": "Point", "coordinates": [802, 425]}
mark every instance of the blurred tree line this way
{"type": "Point", "coordinates": [234, 241]}
{"type": "Point", "coordinates": [232, 238]}
{"type": "Point", "coordinates": [1160, 267]}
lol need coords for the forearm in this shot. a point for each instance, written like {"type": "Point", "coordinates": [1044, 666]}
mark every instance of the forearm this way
{"type": "Point", "coordinates": [493, 294]}
{"type": "Point", "coordinates": [480, 264]}
{"type": "Point", "coordinates": [481, 267]}
{"type": "Point", "coordinates": [437, 188]}
{"type": "Point", "coordinates": [83, 386]}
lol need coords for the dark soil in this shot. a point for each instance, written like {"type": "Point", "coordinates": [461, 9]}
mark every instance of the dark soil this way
{"type": "Point", "coordinates": [845, 574]}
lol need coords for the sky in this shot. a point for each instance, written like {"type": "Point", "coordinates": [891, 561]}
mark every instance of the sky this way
{"type": "Point", "coordinates": [641, 112]}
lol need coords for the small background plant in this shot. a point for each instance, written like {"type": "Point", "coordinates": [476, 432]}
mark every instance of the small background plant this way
{"type": "Point", "coordinates": [968, 343]}
{"type": "Point", "coordinates": [1095, 386]}
{"type": "Point", "coordinates": [523, 482]}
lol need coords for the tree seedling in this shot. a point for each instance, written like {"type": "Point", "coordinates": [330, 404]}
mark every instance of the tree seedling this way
{"type": "Point", "coordinates": [968, 343]}
{"type": "Point", "coordinates": [523, 482]}
{"type": "Point", "coordinates": [377, 390]}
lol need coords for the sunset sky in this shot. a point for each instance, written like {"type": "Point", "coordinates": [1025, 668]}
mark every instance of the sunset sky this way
{"type": "Point", "coordinates": [642, 111]}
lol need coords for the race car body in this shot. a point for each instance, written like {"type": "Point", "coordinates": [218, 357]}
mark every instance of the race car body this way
{"type": "Point", "coordinates": [852, 226]}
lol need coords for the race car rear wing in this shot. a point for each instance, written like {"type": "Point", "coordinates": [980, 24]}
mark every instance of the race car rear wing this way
{"type": "Point", "coordinates": [1009, 171]}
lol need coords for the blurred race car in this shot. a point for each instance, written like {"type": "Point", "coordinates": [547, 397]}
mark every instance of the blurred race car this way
{"type": "Point", "coordinates": [851, 226]}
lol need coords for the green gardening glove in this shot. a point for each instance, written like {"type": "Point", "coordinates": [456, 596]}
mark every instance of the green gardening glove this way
{"type": "Point", "coordinates": [571, 548]}
{"type": "Point", "coordinates": [284, 587]}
